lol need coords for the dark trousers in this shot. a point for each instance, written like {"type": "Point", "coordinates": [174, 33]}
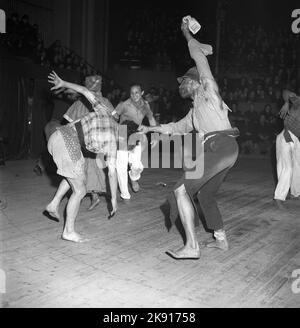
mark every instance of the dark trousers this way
{"type": "Point", "coordinates": [220, 154]}
{"type": "Point", "coordinates": [207, 200]}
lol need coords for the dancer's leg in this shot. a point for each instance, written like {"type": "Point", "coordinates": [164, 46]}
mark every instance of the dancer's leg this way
{"type": "Point", "coordinates": [53, 206]}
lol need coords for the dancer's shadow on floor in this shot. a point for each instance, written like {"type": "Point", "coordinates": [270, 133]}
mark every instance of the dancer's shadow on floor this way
{"type": "Point", "coordinates": [273, 162]}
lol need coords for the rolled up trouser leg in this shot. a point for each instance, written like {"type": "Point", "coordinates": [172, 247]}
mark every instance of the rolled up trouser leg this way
{"type": "Point", "coordinates": [284, 151]}
{"type": "Point", "coordinates": [135, 162]}
{"type": "Point", "coordinates": [295, 184]}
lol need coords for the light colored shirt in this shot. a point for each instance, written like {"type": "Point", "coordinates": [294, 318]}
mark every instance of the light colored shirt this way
{"type": "Point", "coordinates": [79, 109]}
{"type": "Point", "coordinates": [129, 111]}
{"type": "Point", "coordinates": [209, 112]}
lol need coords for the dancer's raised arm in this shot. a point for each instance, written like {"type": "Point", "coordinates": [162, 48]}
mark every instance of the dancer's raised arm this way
{"type": "Point", "coordinates": [58, 83]}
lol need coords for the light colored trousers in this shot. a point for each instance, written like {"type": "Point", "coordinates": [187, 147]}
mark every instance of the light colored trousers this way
{"type": "Point", "coordinates": [288, 167]}
{"type": "Point", "coordinates": [134, 159]}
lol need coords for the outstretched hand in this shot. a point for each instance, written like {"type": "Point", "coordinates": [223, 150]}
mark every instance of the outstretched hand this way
{"type": "Point", "coordinates": [143, 129]}
{"type": "Point", "coordinates": [53, 78]}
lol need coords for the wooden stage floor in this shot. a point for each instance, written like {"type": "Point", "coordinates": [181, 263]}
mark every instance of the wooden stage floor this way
{"type": "Point", "coordinates": [124, 265]}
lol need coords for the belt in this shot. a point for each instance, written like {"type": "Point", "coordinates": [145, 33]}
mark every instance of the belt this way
{"type": "Point", "coordinates": [234, 133]}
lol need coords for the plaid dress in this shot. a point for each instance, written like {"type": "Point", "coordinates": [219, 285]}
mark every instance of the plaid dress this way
{"type": "Point", "coordinates": [100, 132]}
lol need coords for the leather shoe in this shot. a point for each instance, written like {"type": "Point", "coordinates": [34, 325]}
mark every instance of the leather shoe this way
{"type": "Point", "coordinates": [135, 186]}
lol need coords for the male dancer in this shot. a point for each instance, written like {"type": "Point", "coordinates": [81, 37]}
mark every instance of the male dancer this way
{"type": "Point", "coordinates": [97, 132]}
{"type": "Point", "coordinates": [95, 183]}
{"type": "Point", "coordinates": [131, 113]}
{"type": "Point", "coordinates": [208, 116]}
{"type": "Point", "coordinates": [288, 151]}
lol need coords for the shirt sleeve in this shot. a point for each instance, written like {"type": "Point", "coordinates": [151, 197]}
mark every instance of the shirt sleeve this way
{"type": "Point", "coordinates": [109, 105]}
{"type": "Point", "coordinates": [75, 111]}
{"type": "Point", "coordinates": [100, 103]}
{"type": "Point", "coordinates": [149, 115]}
{"type": "Point", "coordinates": [120, 108]}
{"type": "Point", "coordinates": [181, 127]}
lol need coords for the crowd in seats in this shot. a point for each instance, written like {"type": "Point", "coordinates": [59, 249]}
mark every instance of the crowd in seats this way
{"type": "Point", "coordinates": [260, 64]}
{"type": "Point", "coordinates": [151, 39]}
{"type": "Point", "coordinates": [255, 104]}
{"type": "Point", "coordinates": [256, 65]}
{"type": "Point", "coordinates": [253, 50]}
{"type": "Point", "coordinates": [259, 125]}
{"type": "Point", "coordinates": [23, 39]}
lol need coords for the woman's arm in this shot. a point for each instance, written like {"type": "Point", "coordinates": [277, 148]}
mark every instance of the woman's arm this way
{"type": "Point", "coordinates": [53, 78]}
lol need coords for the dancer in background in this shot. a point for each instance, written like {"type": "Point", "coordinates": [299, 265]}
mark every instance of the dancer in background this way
{"type": "Point", "coordinates": [131, 114]}
{"type": "Point", "coordinates": [288, 151]}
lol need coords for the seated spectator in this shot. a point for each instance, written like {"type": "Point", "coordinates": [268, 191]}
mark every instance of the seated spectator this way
{"type": "Point", "coordinates": [264, 135]}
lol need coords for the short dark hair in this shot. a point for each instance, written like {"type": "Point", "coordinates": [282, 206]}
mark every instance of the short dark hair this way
{"type": "Point", "coordinates": [136, 85]}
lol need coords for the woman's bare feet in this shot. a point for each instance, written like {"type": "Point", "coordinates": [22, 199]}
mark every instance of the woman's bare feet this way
{"type": "Point", "coordinates": [74, 237]}
{"type": "Point", "coordinates": [114, 206]}
{"type": "Point", "coordinates": [53, 211]}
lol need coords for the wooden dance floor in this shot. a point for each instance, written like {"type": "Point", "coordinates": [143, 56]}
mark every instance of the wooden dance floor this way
{"type": "Point", "coordinates": [125, 265]}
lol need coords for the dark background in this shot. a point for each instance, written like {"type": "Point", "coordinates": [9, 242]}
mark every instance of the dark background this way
{"type": "Point", "coordinates": [84, 37]}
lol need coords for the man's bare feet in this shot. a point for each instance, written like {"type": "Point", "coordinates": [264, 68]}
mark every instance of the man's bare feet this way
{"type": "Point", "coordinates": [185, 253]}
{"type": "Point", "coordinates": [74, 237]}
{"type": "Point", "coordinates": [220, 244]}
{"type": "Point", "coordinates": [53, 211]}
{"type": "Point", "coordinates": [135, 186]}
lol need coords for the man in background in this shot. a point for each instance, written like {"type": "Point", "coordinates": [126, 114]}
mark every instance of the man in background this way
{"type": "Point", "coordinates": [131, 113]}
{"type": "Point", "coordinates": [288, 151]}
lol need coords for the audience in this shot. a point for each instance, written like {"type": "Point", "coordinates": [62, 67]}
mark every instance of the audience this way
{"type": "Point", "coordinates": [256, 65]}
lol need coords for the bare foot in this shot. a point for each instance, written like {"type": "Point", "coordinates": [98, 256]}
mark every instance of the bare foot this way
{"type": "Point", "coordinates": [74, 237]}
{"type": "Point", "coordinates": [114, 208]}
{"type": "Point", "coordinates": [185, 253]}
{"type": "Point", "coordinates": [53, 211]}
{"type": "Point", "coordinates": [220, 244]}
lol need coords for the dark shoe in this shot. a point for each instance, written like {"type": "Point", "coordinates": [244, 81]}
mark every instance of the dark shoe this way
{"type": "Point", "coordinates": [191, 254]}
{"type": "Point", "coordinates": [219, 244]}
{"type": "Point", "coordinates": [111, 215]}
{"type": "Point", "coordinates": [2, 163]}
{"type": "Point", "coordinates": [280, 204]}
{"type": "Point", "coordinates": [38, 171]}
{"type": "Point", "coordinates": [135, 186]}
{"type": "Point", "coordinates": [95, 203]}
